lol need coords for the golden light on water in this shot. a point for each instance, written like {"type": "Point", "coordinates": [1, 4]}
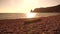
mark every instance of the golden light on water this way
{"type": "Point", "coordinates": [30, 15]}
{"type": "Point", "coordinates": [24, 7]}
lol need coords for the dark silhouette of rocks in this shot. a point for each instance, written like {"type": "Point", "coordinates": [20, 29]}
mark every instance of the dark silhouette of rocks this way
{"type": "Point", "coordinates": [53, 9]}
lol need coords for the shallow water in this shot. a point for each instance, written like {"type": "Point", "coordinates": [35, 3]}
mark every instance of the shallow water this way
{"type": "Point", "coordinates": [23, 15]}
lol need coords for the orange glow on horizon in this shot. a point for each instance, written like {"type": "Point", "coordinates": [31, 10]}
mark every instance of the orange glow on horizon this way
{"type": "Point", "coordinates": [25, 7]}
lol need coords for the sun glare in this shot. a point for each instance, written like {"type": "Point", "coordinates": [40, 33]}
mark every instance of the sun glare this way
{"type": "Point", "coordinates": [30, 15]}
{"type": "Point", "coordinates": [27, 5]}
{"type": "Point", "coordinates": [24, 7]}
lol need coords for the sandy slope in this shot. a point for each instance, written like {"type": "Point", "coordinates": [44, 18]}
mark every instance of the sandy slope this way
{"type": "Point", "coordinates": [45, 25]}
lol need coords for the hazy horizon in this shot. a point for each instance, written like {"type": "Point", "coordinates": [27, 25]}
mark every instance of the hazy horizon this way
{"type": "Point", "coordinates": [24, 6]}
{"type": "Point", "coordinates": [23, 15]}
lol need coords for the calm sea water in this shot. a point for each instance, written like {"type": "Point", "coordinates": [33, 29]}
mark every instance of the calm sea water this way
{"type": "Point", "coordinates": [23, 15]}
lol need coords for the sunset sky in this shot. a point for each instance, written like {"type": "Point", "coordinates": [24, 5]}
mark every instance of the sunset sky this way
{"type": "Point", "coordinates": [24, 6]}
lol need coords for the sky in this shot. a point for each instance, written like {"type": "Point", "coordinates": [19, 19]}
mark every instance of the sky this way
{"type": "Point", "coordinates": [24, 6]}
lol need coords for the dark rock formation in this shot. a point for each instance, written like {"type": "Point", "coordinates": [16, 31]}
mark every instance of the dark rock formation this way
{"type": "Point", "coordinates": [54, 9]}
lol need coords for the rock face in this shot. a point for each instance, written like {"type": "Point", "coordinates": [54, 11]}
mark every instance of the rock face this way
{"type": "Point", "coordinates": [44, 25]}
{"type": "Point", "coordinates": [54, 9]}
